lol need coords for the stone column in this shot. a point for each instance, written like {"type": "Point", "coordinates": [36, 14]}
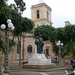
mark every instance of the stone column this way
{"type": "Point", "coordinates": [35, 49]}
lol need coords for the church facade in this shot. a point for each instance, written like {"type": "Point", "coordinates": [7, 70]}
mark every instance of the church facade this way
{"type": "Point", "coordinates": [40, 14]}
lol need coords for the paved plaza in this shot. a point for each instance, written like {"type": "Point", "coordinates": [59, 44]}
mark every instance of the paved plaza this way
{"type": "Point", "coordinates": [24, 72]}
{"type": "Point", "coordinates": [18, 70]}
{"type": "Point", "coordinates": [37, 73]}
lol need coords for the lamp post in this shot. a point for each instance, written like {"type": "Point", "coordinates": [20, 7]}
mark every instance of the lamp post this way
{"type": "Point", "coordinates": [7, 28]}
{"type": "Point", "coordinates": [60, 58]}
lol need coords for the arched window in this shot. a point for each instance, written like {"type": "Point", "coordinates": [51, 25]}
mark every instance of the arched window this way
{"type": "Point", "coordinates": [29, 49]}
{"type": "Point", "coordinates": [37, 25]}
{"type": "Point", "coordinates": [47, 51]}
{"type": "Point", "coordinates": [47, 15]}
{"type": "Point", "coordinates": [37, 14]}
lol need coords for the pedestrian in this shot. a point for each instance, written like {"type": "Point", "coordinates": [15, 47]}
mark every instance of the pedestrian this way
{"type": "Point", "coordinates": [73, 63]}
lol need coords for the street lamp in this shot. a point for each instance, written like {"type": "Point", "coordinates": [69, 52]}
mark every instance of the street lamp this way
{"type": "Point", "coordinates": [60, 58]}
{"type": "Point", "coordinates": [7, 28]}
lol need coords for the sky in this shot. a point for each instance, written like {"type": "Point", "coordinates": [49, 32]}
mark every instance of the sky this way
{"type": "Point", "coordinates": [62, 10]}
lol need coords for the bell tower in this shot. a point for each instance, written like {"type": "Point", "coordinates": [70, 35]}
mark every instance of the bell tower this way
{"type": "Point", "coordinates": [41, 14]}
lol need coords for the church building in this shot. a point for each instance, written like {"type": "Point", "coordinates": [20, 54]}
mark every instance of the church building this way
{"type": "Point", "coordinates": [40, 14]}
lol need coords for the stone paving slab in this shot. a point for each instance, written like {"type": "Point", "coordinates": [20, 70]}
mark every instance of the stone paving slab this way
{"type": "Point", "coordinates": [18, 70]}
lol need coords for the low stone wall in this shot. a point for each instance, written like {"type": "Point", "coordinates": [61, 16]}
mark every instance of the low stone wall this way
{"type": "Point", "coordinates": [37, 66]}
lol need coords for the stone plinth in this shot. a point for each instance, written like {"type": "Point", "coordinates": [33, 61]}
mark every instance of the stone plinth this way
{"type": "Point", "coordinates": [39, 61]}
{"type": "Point", "coordinates": [27, 66]}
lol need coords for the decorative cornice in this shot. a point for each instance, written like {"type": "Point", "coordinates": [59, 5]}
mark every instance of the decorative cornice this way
{"type": "Point", "coordinates": [40, 5]}
{"type": "Point", "coordinates": [28, 34]}
{"type": "Point", "coordinates": [42, 20]}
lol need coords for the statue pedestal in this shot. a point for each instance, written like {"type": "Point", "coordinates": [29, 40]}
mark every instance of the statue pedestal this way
{"type": "Point", "coordinates": [39, 61]}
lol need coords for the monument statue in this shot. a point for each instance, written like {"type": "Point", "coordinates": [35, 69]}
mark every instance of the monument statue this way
{"type": "Point", "coordinates": [38, 58]}
{"type": "Point", "coordinates": [39, 43]}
